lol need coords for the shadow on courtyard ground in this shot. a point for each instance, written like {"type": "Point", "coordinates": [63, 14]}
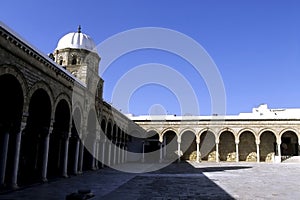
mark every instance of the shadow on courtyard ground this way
{"type": "Point", "coordinates": [176, 181]}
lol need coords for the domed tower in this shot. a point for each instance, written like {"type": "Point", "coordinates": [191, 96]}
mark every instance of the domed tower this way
{"type": "Point", "coordinates": [77, 53]}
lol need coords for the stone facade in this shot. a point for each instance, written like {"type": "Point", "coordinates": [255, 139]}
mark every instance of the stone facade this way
{"type": "Point", "coordinates": [53, 123]}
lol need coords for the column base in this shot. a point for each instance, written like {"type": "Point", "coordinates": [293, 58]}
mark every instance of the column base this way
{"type": "Point", "coordinates": [14, 187]}
{"type": "Point", "coordinates": [44, 180]}
{"type": "Point", "coordinates": [65, 176]}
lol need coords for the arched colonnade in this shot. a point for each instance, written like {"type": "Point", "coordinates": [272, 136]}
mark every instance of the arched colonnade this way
{"type": "Point", "coordinates": [225, 144]}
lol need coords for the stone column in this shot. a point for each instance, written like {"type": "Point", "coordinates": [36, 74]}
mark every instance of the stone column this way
{"type": "Point", "coordinates": [109, 154]}
{"type": "Point", "coordinates": [161, 153]}
{"type": "Point", "coordinates": [279, 150]}
{"type": "Point", "coordinates": [143, 152]}
{"type": "Point", "coordinates": [123, 153]}
{"type": "Point", "coordinates": [14, 177]}
{"type": "Point", "coordinates": [299, 147]}
{"type": "Point", "coordinates": [165, 148]}
{"type": "Point", "coordinates": [103, 154]}
{"type": "Point", "coordinates": [93, 167]}
{"type": "Point", "coordinates": [198, 151]}
{"type": "Point", "coordinates": [115, 151]}
{"type": "Point", "coordinates": [45, 157]}
{"type": "Point", "coordinates": [97, 155]}
{"type": "Point", "coordinates": [126, 154]}
{"type": "Point", "coordinates": [75, 167]}
{"type": "Point", "coordinates": [65, 158]}
{"type": "Point", "coordinates": [257, 152]}
{"type": "Point", "coordinates": [3, 157]}
{"type": "Point", "coordinates": [81, 154]}
{"type": "Point", "coordinates": [119, 152]}
{"type": "Point", "coordinates": [217, 152]}
{"type": "Point", "coordinates": [237, 151]}
{"type": "Point", "coordinates": [179, 150]}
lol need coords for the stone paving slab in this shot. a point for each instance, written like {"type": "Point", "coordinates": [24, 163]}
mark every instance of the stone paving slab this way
{"type": "Point", "coordinates": [178, 181]}
{"type": "Point", "coordinates": [261, 181]}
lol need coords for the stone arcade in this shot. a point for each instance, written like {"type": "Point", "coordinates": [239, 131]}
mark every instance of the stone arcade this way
{"type": "Point", "coordinates": [265, 135]}
{"type": "Point", "coordinates": [43, 129]}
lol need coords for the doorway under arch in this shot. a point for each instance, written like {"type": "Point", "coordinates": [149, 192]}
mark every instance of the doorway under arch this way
{"type": "Point", "coordinates": [90, 142]}
{"type": "Point", "coordinates": [170, 139]}
{"type": "Point", "coordinates": [188, 146]}
{"type": "Point", "coordinates": [247, 147]}
{"type": "Point", "coordinates": [289, 144]}
{"type": "Point", "coordinates": [37, 129]}
{"type": "Point", "coordinates": [74, 143]}
{"type": "Point", "coordinates": [227, 148]}
{"type": "Point", "coordinates": [208, 146]}
{"type": "Point", "coordinates": [151, 147]}
{"type": "Point", "coordinates": [267, 146]}
{"type": "Point", "coordinates": [58, 137]}
{"type": "Point", "coordinates": [11, 106]}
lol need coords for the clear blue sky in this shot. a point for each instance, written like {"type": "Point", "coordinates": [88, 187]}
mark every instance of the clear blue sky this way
{"type": "Point", "coordinates": [255, 45]}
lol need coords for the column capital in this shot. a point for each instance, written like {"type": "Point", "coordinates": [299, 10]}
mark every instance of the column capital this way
{"type": "Point", "coordinates": [23, 126]}
{"type": "Point", "coordinates": [161, 139]}
{"type": "Point", "coordinates": [278, 141]}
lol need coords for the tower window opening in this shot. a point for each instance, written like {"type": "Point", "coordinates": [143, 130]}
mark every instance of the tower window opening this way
{"type": "Point", "coordinates": [74, 61]}
{"type": "Point", "coordinates": [61, 62]}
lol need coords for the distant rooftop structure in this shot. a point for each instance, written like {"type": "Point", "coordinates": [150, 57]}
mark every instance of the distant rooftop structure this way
{"type": "Point", "coordinates": [261, 112]}
{"type": "Point", "coordinates": [265, 112]}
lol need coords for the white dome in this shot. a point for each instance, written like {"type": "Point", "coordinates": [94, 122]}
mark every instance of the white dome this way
{"type": "Point", "coordinates": [76, 40]}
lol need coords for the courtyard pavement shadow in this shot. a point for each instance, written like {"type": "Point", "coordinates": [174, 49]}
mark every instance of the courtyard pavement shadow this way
{"type": "Point", "coordinates": [176, 181]}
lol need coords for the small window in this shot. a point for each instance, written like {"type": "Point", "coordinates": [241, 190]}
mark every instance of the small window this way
{"type": "Point", "coordinates": [74, 61]}
{"type": "Point", "coordinates": [61, 62]}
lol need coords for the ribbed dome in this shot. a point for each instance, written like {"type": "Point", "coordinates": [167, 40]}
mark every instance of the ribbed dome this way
{"type": "Point", "coordinates": [76, 40]}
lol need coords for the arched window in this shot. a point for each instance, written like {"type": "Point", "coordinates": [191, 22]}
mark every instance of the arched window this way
{"type": "Point", "coordinates": [74, 61]}
{"type": "Point", "coordinates": [60, 62]}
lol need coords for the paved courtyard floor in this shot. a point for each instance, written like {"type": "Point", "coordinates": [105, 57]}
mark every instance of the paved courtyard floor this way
{"type": "Point", "coordinates": [178, 181]}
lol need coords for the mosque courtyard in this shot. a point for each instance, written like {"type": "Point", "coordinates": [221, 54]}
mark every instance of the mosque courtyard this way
{"type": "Point", "coordinates": [183, 180]}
